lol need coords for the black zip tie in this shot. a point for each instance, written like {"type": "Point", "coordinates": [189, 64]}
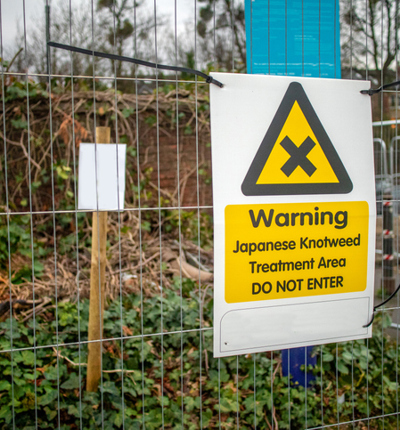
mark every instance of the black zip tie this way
{"type": "Point", "coordinates": [209, 79]}
{"type": "Point", "coordinates": [371, 91]}
{"type": "Point", "coordinates": [381, 304]}
{"type": "Point", "coordinates": [372, 320]}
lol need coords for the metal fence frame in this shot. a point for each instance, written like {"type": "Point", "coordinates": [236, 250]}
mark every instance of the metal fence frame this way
{"type": "Point", "coordinates": [253, 394]}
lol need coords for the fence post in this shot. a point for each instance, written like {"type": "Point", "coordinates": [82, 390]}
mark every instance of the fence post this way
{"type": "Point", "coordinates": [272, 48]}
{"type": "Point", "coordinates": [97, 285]}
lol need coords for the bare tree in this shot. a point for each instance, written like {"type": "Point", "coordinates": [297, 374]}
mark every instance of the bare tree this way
{"type": "Point", "coordinates": [370, 38]}
{"type": "Point", "coordinates": [221, 27]}
{"type": "Point", "coordinates": [129, 27]}
{"type": "Point", "coordinates": [118, 27]}
{"type": "Point", "coordinates": [73, 26]}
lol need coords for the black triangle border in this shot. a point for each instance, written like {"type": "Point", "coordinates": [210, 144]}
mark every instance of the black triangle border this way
{"type": "Point", "coordinates": [295, 92]}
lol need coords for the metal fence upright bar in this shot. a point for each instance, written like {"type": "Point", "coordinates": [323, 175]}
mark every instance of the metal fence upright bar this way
{"type": "Point", "coordinates": [53, 209]}
{"type": "Point", "coordinates": [74, 156]}
{"type": "Point", "coordinates": [30, 209]}
{"type": "Point", "coordinates": [7, 220]}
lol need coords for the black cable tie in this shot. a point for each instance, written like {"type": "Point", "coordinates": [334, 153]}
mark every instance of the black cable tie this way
{"type": "Point", "coordinates": [371, 91]}
{"type": "Point", "coordinates": [209, 79]}
{"type": "Point", "coordinates": [383, 303]}
{"type": "Point", "coordinates": [389, 298]}
{"type": "Point", "coordinates": [372, 320]}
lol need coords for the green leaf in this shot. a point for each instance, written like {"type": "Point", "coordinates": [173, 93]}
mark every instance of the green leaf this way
{"type": "Point", "coordinates": [110, 387]}
{"type": "Point", "coordinates": [118, 419]}
{"type": "Point", "coordinates": [19, 381]}
{"type": "Point", "coordinates": [347, 356]}
{"type": "Point", "coordinates": [5, 413]}
{"type": "Point", "coordinates": [127, 112]}
{"type": "Point", "coordinates": [192, 403]}
{"type": "Point", "coordinates": [19, 123]}
{"type": "Point", "coordinates": [227, 405]}
{"type": "Point", "coordinates": [15, 92]}
{"type": "Point", "coordinates": [51, 373]}
{"type": "Point", "coordinates": [4, 385]}
{"type": "Point", "coordinates": [151, 120]}
{"type": "Point", "coordinates": [28, 357]}
{"type": "Point", "coordinates": [51, 413]}
{"type": "Point", "coordinates": [63, 172]}
{"type": "Point", "coordinates": [38, 268]}
{"type": "Point", "coordinates": [29, 376]}
{"type": "Point", "coordinates": [48, 397]}
{"type": "Point", "coordinates": [343, 368]}
{"type": "Point", "coordinates": [73, 410]}
{"type": "Point", "coordinates": [71, 383]}
{"type": "Point", "coordinates": [327, 357]}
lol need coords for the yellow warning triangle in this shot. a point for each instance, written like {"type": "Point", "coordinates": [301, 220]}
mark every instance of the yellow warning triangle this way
{"type": "Point", "coordinates": [296, 155]}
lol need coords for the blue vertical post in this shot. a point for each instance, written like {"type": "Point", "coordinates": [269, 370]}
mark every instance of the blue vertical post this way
{"type": "Point", "coordinates": [293, 38]}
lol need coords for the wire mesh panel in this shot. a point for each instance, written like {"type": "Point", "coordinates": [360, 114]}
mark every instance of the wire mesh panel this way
{"type": "Point", "coordinates": [157, 367]}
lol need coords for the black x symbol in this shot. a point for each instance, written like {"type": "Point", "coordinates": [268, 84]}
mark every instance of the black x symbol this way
{"type": "Point", "coordinates": [298, 156]}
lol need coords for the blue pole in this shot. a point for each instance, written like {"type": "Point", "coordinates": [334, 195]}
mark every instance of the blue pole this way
{"type": "Point", "coordinates": [293, 38]}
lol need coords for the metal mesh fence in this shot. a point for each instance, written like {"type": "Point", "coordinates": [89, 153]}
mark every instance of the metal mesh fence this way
{"type": "Point", "coordinates": [157, 369]}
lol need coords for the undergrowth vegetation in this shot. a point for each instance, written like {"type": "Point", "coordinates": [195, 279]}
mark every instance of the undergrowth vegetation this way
{"type": "Point", "coordinates": [39, 166]}
{"type": "Point", "coordinates": [166, 378]}
{"type": "Point", "coordinates": [172, 379]}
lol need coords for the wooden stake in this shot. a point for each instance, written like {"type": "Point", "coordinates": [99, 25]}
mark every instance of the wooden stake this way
{"type": "Point", "coordinates": [97, 285]}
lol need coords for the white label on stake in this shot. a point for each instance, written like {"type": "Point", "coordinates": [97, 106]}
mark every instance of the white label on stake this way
{"type": "Point", "coordinates": [101, 176]}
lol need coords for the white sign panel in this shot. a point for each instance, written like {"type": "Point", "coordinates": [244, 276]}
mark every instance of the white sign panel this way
{"type": "Point", "coordinates": [294, 212]}
{"type": "Point", "coordinates": [101, 176]}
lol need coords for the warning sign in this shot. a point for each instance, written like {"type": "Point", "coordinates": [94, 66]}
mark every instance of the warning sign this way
{"type": "Point", "coordinates": [294, 212]}
{"type": "Point", "coordinates": [295, 250]}
{"type": "Point", "coordinates": [296, 155]}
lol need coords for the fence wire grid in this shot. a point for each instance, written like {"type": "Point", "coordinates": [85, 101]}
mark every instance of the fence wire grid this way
{"type": "Point", "coordinates": [157, 367]}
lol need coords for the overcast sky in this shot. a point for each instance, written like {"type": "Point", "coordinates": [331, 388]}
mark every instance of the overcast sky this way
{"type": "Point", "coordinates": [12, 12]}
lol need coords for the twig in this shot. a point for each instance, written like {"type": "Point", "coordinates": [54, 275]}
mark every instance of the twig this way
{"type": "Point", "coordinates": [85, 364]}
{"type": "Point", "coordinates": [38, 309]}
{"type": "Point", "coordinates": [119, 370]}
{"type": "Point", "coordinates": [21, 144]}
{"type": "Point", "coordinates": [67, 359]}
{"type": "Point", "coordinates": [37, 312]}
{"type": "Point", "coordinates": [13, 59]}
